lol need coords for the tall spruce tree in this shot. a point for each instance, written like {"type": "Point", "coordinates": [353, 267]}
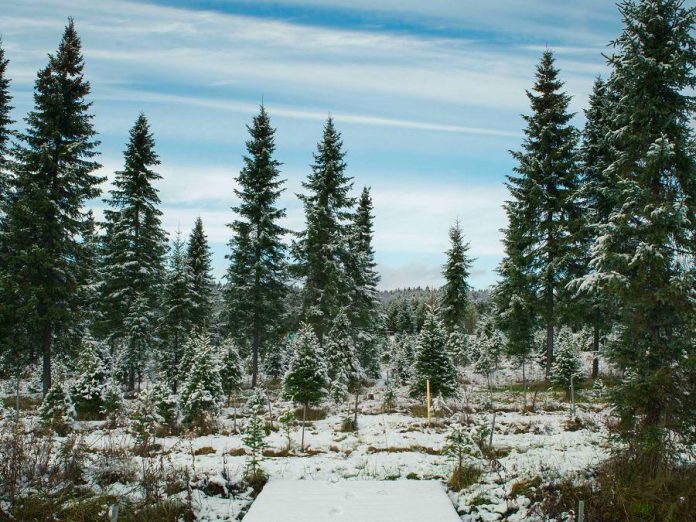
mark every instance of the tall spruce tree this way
{"type": "Point", "coordinates": [644, 255]}
{"type": "Point", "coordinates": [199, 260]}
{"type": "Point", "coordinates": [45, 217]}
{"type": "Point", "coordinates": [259, 275]}
{"type": "Point", "coordinates": [544, 190]}
{"type": "Point", "coordinates": [5, 127]}
{"type": "Point", "coordinates": [240, 280]}
{"type": "Point", "coordinates": [321, 251]}
{"type": "Point", "coordinates": [177, 312]}
{"type": "Point", "coordinates": [455, 293]}
{"type": "Point", "coordinates": [596, 191]}
{"type": "Point", "coordinates": [364, 309]}
{"type": "Point", "coordinates": [134, 250]}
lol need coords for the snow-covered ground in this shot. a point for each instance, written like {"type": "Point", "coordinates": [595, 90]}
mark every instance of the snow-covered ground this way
{"type": "Point", "coordinates": [390, 446]}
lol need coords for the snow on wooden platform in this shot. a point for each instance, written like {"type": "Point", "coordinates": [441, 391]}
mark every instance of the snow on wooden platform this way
{"type": "Point", "coordinates": [352, 500]}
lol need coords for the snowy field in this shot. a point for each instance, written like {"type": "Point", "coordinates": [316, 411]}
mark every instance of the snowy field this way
{"type": "Point", "coordinates": [531, 448]}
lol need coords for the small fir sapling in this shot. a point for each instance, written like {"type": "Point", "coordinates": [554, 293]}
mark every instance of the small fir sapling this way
{"type": "Point", "coordinates": [255, 439]}
{"type": "Point", "coordinates": [432, 361]}
{"type": "Point", "coordinates": [458, 346]}
{"type": "Point", "coordinates": [230, 369]}
{"type": "Point", "coordinates": [460, 445]}
{"type": "Point", "coordinates": [165, 404]}
{"type": "Point", "coordinates": [287, 423]}
{"type": "Point", "coordinates": [202, 393]}
{"type": "Point", "coordinates": [306, 380]}
{"type": "Point", "coordinates": [273, 363]}
{"type": "Point", "coordinates": [57, 411]}
{"type": "Point", "coordinates": [389, 399]}
{"type": "Point", "coordinates": [113, 405]}
{"type": "Point", "coordinates": [567, 366]}
{"type": "Point", "coordinates": [145, 420]}
{"type": "Point", "coordinates": [90, 379]}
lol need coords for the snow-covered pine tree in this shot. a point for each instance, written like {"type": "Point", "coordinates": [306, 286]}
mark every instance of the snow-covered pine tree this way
{"type": "Point", "coordinates": [44, 222]}
{"type": "Point", "coordinates": [145, 420]}
{"type": "Point", "coordinates": [255, 439]}
{"type": "Point", "coordinates": [432, 360]}
{"type": "Point", "coordinates": [134, 249]}
{"type": "Point", "coordinates": [202, 394]}
{"type": "Point", "coordinates": [240, 280]}
{"type": "Point", "coordinates": [113, 404]}
{"type": "Point", "coordinates": [341, 354]}
{"type": "Point", "coordinates": [364, 313]}
{"type": "Point", "coordinates": [90, 379]}
{"type": "Point", "coordinates": [258, 278]}
{"type": "Point", "coordinates": [545, 197]}
{"type": "Point", "coordinates": [644, 255]}
{"type": "Point", "coordinates": [199, 261]}
{"type": "Point", "coordinates": [165, 404]}
{"type": "Point", "coordinates": [274, 361]}
{"type": "Point", "coordinates": [5, 128]}
{"type": "Point", "coordinates": [455, 292]}
{"type": "Point", "coordinates": [403, 357]}
{"type": "Point", "coordinates": [567, 364]}
{"type": "Point", "coordinates": [322, 248]}
{"type": "Point", "coordinates": [230, 368]}
{"type": "Point", "coordinates": [57, 411]}
{"type": "Point", "coordinates": [177, 313]}
{"type": "Point", "coordinates": [306, 382]}
{"type": "Point", "coordinates": [596, 308]}
{"type": "Point", "coordinates": [458, 346]}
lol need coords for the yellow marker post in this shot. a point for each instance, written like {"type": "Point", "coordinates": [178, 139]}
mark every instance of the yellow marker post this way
{"type": "Point", "coordinates": [427, 398]}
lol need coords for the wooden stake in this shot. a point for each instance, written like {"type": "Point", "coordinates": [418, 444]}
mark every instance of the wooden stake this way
{"type": "Point", "coordinates": [427, 398]}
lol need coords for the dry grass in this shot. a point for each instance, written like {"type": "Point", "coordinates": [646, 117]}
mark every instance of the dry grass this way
{"type": "Point", "coordinates": [464, 476]}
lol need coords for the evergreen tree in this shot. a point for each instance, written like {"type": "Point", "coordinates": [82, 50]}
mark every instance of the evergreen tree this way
{"type": "Point", "coordinates": [306, 380]}
{"type": "Point", "coordinates": [274, 361]}
{"type": "Point", "coordinates": [458, 346]}
{"type": "Point", "coordinates": [596, 193]}
{"type": "Point", "coordinates": [240, 281]}
{"type": "Point", "coordinates": [432, 360]}
{"type": "Point", "coordinates": [178, 312]}
{"type": "Point", "coordinates": [255, 439]}
{"type": "Point", "coordinates": [199, 260]}
{"type": "Point", "coordinates": [45, 219]}
{"type": "Point", "coordinates": [57, 411]}
{"type": "Point", "coordinates": [91, 377]}
{"type": "Point", "coordinates": [322, 248]}
{"type": "Point", "coordinates": [230, 369]}
{"type": "Point", "coordinates": [567, 364]}
{"type": "Point", "coordinates": [134, 249]}
{"type": "Point", "coordinates": [403, 358]}
{"type": "Point", "coordinates": [202, 392]}
{"type": "Point", "coordinates": [364, 311]}
{"type": "Point", "coordinates": [113, 404]}
{"type": "Point", "coordinates": [455, 293]}
{"type": "Point", "coordinates": [259, 276]}
{"type": "Point", "coordinates": [545, 197]}
{"type": "Point", "coordinates": [5, 128]}
{"type": "Point", "coordinates": [344, 367]}
{"type": "Point", "coordinates": [644, 255]}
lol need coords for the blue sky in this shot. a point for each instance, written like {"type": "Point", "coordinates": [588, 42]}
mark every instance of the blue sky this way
{"type": "Point", "coordinates": [428, 96]}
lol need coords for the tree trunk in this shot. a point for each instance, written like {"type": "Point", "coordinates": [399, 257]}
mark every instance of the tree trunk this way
{"type": "Point", "coordinates": [595, 347]}
{"type": "Point", "coordinates": [355, 413]}
{"type": "Point", "coordinates": [304, 418]}
{"type": "Point", "coordinates": [131, 378]}
{"type": "Point", "coordinates": [524, 387]}
{"type": "Point", "coordinates": [47, 347]}
{"type": "Point", "coordinates": [17, 380]}
{"type": "Point", "coordinates": [549, 347]}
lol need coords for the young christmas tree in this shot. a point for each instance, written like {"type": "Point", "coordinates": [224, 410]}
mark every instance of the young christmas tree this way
{"type": "Point", "coordinates": [230, 368]}
{"type": "Point", "coordinates": [567, 366]}
{"type": "Point", "coordinates": [306, 381]}
{"type": "Point", "coordinates": [134, 249]}
{"type": "Point", "coordinates": [113, 404]}
{"type": "Point", "coordinates": [255, 439]}
{"type": "Point", "coordinates": [455, 293]}
{"type": "Point", "coordinates": [202, 394]}
{"type": "Point", "coordinates": [199, 261]}
{"type": "Point", "coordinates": [258, 277]}
{"type": "Point", "coordinates": [458, 346]}
{"type": "Point", "coordinates": [178, 313]}
{"type": "Point", "coordinates": [643, 257]}
{"type": "Point", "coordinates": [432, 360]}
{"type": "Point", "coordinates": [91, 378]}
{"type": "Point", "coordinates": [404, 355]}
{"type": "Point", "coordinates": [145, 421]}
{"type": "Point", "coordinates": [57, 411]}
{"type": "Point", "coordinates": [45, 219]}
{"type": "Point", "coordinates": [274, 361]}
{"type": "Point", "coordinates": [544, 190]}
{"type": "Point", "coordinates": [322, 248]}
